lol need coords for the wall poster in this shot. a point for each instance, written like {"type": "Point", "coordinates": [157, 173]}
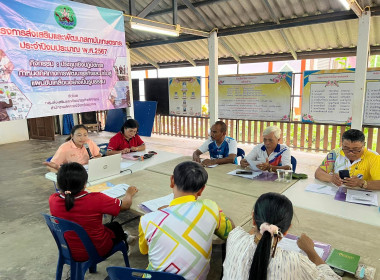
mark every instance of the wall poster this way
{"type": "Point", "coordinates": [328, 96]}
{"type": "Point", "coordinates": [185, 96]}
{"type": "Point", "coordinates": [256, 97]}
{"type": "Point", "coordinates": [60, 57]}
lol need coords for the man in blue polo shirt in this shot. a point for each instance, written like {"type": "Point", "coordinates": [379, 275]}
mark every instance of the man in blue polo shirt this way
{"type": "Point", "coordinates": [223, 149]}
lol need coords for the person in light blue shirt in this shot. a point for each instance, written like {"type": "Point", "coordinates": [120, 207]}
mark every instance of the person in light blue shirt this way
{"type": "Point", "coordinates": [222, 149]}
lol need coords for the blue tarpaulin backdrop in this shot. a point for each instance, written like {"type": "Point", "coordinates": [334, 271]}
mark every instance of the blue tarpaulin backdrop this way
{"type": "Point", "coordinates": [67, 124]}
{"type": "Point", "coordinates": [145, 112]}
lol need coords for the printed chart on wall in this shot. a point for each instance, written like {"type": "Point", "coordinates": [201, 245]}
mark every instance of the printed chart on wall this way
{"type": "Point", "coordinates": [59, 57]}
{"type": "Point", "coordinates": [185, 96]}
{"type": "Point", "coordinates": [372, 98]}
{"type": "Point", "coordinates": [328, 94]}
{"type": "Point", "coordinates": [256, 97]}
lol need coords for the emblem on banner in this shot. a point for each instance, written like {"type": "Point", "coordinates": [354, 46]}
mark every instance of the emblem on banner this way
{"type": "Point", "coordinates": [65, 17]}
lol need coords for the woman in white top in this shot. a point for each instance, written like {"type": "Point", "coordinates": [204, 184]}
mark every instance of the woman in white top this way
{"type": "Point", "coordinates": [255, 255]}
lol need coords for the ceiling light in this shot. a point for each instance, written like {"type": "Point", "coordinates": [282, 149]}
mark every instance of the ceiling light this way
{"type": "Point", "coordinates": [170, 30]}
{"type": "Point", "coordinates": [355, 7]}
{"type": "Point", "coordinates": [345, 4]}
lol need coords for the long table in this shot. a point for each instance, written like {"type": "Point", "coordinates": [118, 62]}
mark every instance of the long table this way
{"type": "Point", "coordinates": [346, 226]}
{"type": "Point", "coordinates": [323, 203]}
{"type": "Point", "coordinates": [350, 236]}
{"type": "Point", "coordinates": [152, 185]}
{"type": "Point", "coordinates": [160, 158]}
{"type": "Point", "coordinates": [218, 177]}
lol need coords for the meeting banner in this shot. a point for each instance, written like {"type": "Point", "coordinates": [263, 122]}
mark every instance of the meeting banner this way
{"type": "Point", "coordinates": [328, 96]}
{"type": "Point", "coordinates": [185, 96]}
{"type": "Point", "coordinates": [256, 97]}
{"type": "Point", "coordinates": [60, 57]}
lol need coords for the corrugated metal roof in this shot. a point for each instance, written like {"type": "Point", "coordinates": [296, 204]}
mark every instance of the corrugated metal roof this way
{"type": "Point", "coordinates": [224, 14]}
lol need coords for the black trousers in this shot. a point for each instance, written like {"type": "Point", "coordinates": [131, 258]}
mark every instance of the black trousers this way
{"type": "Point", "coordinates": [118, 231]}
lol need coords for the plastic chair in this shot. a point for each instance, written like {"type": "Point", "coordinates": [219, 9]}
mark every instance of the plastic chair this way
{"type": "Point", "coordinates": [55, 185]}
{"type": "Point", "coordinates": [103, 148]}
{"type": "Point", "coordinates": [293, 161]}
{"type": "Point", "coordinates": [58, 227]}
{"type": "Point", "coordinates": [127, 273]}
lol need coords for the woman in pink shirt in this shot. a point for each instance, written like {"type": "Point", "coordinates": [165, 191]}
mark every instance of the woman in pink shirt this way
{"type": "Point", "coordinates": [77, 148]}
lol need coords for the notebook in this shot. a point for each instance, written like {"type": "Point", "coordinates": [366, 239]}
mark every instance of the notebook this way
{"type": "Point", "coordinates": [99, 168]}
{"type": "Point", "coordinates": [289, 243]}
{"type": "Point", "coordinates": [343, 260]}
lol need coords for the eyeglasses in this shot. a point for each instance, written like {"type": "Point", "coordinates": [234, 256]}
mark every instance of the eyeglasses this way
{"type": "Point", "coordinates": [354, 151]}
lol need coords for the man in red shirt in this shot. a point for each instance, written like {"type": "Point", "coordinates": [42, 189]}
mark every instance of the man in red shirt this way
{"type": "Point", "coordinates": [126, 140]}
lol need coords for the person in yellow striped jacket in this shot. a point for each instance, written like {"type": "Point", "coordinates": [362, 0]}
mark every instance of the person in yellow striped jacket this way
{"type": "Point", "coordinates": [178, 238]}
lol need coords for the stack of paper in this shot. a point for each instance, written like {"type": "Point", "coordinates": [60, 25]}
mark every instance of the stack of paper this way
{"type": "Point", "coordinates": [362, 197]}
{"type": "Point", "coordinates": [289, 243]}
{"type": "Point", "coordinates": [116, 191]}
{"type": "Point", "coordinates": [253, 164]}
{"type": "Point", "coordinates": [324, 189]}
{"type": "Point", "coordinates": [249, 176]}
{"type": "Point", "coordinates": [154, 204]}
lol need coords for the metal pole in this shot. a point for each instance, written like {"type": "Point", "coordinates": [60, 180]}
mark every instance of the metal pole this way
{"type": "Point", "coordinates": [361, 71]}
{"type": "Point", "coordinates": [130, 110]}
{"type": "Point", "coordinates": [213, 77]}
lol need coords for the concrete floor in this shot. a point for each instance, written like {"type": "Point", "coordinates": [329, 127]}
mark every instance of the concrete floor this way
{"type": "Point", "coordinates": [27, 249]}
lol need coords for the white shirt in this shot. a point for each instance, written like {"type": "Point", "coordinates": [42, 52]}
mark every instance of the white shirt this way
{"type": "Point", "coordinates": [281, 154]}
{"type": "Point", "coordinates": [285, 265]}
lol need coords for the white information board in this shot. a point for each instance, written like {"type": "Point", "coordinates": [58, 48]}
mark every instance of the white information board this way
{"type": "Point", "coordinates": [328, 97]}
{"type": "Point", "coordinates": [255, 97]}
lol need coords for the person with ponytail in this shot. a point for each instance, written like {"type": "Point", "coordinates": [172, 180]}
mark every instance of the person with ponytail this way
{"type": "Point", "coordinates": [256, 256]}
{"type": "Point", "coordinates": [77, 148]}
{"type": "Point", "coordinates": [73, 203]}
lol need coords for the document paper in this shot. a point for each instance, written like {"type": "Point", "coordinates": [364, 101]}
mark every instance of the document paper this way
{"type": "Point", "coordinates": [291, 245]}
{"type": "Point", "coordinates": [324, 189]}
{"type": "Point", "coordinates": [249, 176]}
{"type": "Point", "coordinates": [362, 197]}
{"type": "Point", "coordinates": [116, 191]}
{"type": "Point", "coordinates": [154, 204]}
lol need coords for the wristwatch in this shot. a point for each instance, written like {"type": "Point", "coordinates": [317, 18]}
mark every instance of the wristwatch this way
{"type": "Point", "coordinates": [365, 184]}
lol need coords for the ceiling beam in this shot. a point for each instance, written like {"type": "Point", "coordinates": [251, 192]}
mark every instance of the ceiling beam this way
{"type": "Point", "coordinates": [283, 35]}
{"type": "Point", "coordinates": [295, 22]}
{"type": "Point", "coordinates": [180, 51]}
{"type": "Point", "coordinates": [132, 7]}
{"type": "Point", "coordinates": [259, 27]}
{"type": "Point", "coordinates": [266, 58]}
{"type": "Point", "coordinates": [175, 12]}
{"type": "Point", "coordinates": [228, 48]}
{"type": "Point", "coordinates": [148, 8]}
{"type": "Point", "coordinates": [195, 11]}
{"type": "Point", "coordinates": [184, 7]}
{"type": "Point", "coordinates": [143, 56]}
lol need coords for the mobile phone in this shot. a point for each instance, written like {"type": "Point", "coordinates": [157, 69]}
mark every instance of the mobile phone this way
{"type": "Point", "coordinates": [344, 174]}
{"type": "Point", "coordinates": [244, 172]}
